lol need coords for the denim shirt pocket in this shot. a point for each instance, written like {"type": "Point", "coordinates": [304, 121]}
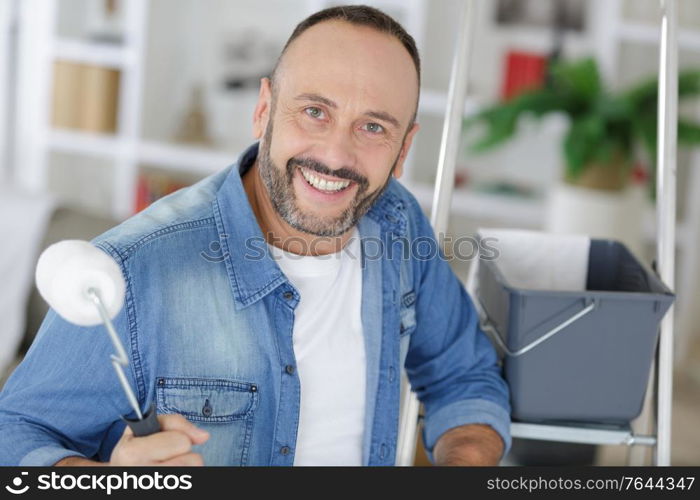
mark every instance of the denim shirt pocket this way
{"type": "Point", "coordinates": [408, 313]}
{"type": "Point", "coordinates": [224, 408]}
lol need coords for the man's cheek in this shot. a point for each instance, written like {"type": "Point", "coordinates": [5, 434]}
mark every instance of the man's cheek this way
{"type": "Point", "coordinates": [377, 177]}
{"type": "Point", "coordinates": [287, 145]}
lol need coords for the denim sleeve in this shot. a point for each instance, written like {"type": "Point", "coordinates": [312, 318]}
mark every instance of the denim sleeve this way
{"type": "Point", "coordinates": [64, 399]}
{"type": "Point", "coordinates": [451, 363]}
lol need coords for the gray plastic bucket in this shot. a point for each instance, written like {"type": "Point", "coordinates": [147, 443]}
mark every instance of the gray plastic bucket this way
{"type": "Point", "coordinates": [578, 356]}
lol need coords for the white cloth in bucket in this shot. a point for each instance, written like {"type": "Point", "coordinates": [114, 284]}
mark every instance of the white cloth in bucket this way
{"type": "Point", "coordinates": [536, 260]}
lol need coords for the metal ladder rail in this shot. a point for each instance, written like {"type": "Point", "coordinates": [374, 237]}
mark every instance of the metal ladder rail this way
{"type": "Point", "coordinates": [666, 209]}
{"type": "Point", "coordinates": [666, 217]}
{"type": "Point", "coordinates": [442, 200]}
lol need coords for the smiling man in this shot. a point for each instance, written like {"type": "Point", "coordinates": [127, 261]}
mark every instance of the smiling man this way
{"type": "Point", "coordinates": [271, 307]}
{"type": "Point", "coordinates": [344, 119]}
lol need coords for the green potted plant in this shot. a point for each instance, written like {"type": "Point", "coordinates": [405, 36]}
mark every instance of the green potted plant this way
{"type": "Point", "coordinates": [608, 134]}
{"type": "Point", "coordinates": [605, 129]}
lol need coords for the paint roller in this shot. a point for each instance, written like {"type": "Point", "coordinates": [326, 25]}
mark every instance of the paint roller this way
{"type": "Point", "coordinates": [85, 287]}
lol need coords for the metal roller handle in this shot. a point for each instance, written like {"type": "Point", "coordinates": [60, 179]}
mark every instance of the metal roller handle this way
{"type": "Point", "coordinates": [144, 424]}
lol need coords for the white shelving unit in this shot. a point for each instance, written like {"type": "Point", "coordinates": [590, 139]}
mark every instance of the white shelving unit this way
{"type": "Point", "coordinates": [127, 149]}
{"type": "Point", "coordinates": [643, 33]}
{"type": "Point", "coordinates": [184, 158]}
{"type": "Point", "coordinates": [70, 141]}
{"type": "Point", "coordinates": [504, 209]}
{"type": "Point", "coordinates": [202, 161]}
{"type": "Point", "coordinates": [521, 212]}
{"type": "Point", "coordinates": [93, 53]}
{"type": "Point", "coordinates": [40, 47]}
{"type": "Point", "coordinates": [6, 26]}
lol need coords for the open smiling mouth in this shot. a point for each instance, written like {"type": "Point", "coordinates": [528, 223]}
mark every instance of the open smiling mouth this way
{"type": "Point", "coordinates": [324, 185]}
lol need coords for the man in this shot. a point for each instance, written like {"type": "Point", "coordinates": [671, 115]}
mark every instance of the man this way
{"type": "Point", "coordinates": [273, 304]}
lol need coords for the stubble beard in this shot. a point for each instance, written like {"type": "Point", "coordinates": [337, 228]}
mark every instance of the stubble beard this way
{"type": "Point", "coordinates": [280, 189]}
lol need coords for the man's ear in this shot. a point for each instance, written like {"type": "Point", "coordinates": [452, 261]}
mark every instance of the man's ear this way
{"type": "Point", "coordinates": [261, 115]}
{"type": "Point", "coordinates": [404, 150]}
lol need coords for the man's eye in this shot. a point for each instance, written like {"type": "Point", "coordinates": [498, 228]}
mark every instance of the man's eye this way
{"type": "Point", "coordinates": [314, 112]}
{"type": "Point", "coordinates": [374, 128]}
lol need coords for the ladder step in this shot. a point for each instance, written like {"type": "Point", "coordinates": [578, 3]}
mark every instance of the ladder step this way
{"type": "Point", "coordinates": [580, 434]}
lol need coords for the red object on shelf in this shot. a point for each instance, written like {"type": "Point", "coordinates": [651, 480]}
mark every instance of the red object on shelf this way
{"type": "Point", "coordinates": [523, 71]}
{"type": "Point", "coordinates": [141, 194]}
{"type": "Point", "coordinates": [150, 188]}
{"type": "Point", "coordinates": [640, 175]}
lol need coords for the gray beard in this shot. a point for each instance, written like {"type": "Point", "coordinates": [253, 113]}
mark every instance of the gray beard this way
{"type": "Point", "coordinates": [281, 192]}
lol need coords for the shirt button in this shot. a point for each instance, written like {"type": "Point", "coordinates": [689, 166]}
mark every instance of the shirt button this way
{"type": "Point", "coordinates": [285, 450]}
{"type": "Point", "coordinates": [288, 295]}
{"type": "Point", "coordinates": [289, 369]}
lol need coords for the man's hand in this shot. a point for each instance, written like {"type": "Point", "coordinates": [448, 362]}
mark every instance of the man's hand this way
{"type": "Point", "coordinates": [172, 446]}
{"type": "Point", "coordinates": [473, 444]}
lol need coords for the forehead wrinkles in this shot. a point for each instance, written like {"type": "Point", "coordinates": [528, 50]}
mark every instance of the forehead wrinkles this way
{"type": "Point", "coordinates": [349, 61]}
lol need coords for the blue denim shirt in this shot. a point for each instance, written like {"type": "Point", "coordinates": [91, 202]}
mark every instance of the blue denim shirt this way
{"type": "Point", "coordinates": [208, 319]}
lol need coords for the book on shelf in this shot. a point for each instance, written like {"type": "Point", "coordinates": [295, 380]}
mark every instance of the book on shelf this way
{"type": "Point", "coordinates": [523, 71]}
{"type": "Point", "coordinates": [66, 95]}
{"type": "Point", "coordinates": [85, 97]}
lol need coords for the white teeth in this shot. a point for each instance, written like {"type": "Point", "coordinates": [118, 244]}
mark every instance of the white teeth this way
{"type": "Point", "coordinates": [323, 184]}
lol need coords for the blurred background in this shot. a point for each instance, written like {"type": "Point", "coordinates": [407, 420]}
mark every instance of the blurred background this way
{"type": "Point", "coordinates": [107, 105]}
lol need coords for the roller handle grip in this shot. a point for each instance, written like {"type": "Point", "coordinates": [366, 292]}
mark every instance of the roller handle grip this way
{"type": "Point", "coordinates": [149, 425]}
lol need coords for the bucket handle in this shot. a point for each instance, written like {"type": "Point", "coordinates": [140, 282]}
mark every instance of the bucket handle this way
{"type": "Point", "coordinates": [590, 305]}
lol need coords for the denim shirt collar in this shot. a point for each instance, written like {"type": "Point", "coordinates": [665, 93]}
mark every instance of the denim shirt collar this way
{"type": "Point", "coordinates": [240, 235]}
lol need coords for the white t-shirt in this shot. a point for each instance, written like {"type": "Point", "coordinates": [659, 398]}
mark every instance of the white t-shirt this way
{"type": "Point", "coordinates": [330, 354]}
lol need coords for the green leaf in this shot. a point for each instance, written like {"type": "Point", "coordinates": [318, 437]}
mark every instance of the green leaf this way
{"type": "Point", "coordinates": [688, 132]}
{"type": "Point", "coordinates": [644, 96]}
{"type": "Point", "coordinates": [646, 128]}
{"type": "Point", "coordinates": [603, 125]}
{"type": "Point", "coordinates": [614, 108]}
{"type": "Point", "coordinates": [500, 123]}
{"type": "Point", "coordinates": [581, 78]}
{"type": "Point", "coordinates": [583, 142]}
{"type": "Point", "coordinates": [501, 120]}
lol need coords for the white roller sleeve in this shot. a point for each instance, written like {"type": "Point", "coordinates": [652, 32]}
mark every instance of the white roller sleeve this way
{"type": "Point", "coordinates": [65, 272]}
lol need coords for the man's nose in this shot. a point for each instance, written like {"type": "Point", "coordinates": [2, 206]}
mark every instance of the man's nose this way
{"type": "Point", "coordinates": [337, 149]}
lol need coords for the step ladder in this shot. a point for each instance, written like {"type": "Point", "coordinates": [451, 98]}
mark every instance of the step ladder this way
{"type": "Point", "coordinates": [659, 390]}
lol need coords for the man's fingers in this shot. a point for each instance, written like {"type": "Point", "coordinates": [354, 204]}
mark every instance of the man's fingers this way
{"type": "Point", "coordinates": [177, 422]}
{"type": "Point", "coordinates": [172, 445]}
{"type": "Point", "coordinates": [187, 460]}
{"type": "Point", "coordinates": [161, 445]}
